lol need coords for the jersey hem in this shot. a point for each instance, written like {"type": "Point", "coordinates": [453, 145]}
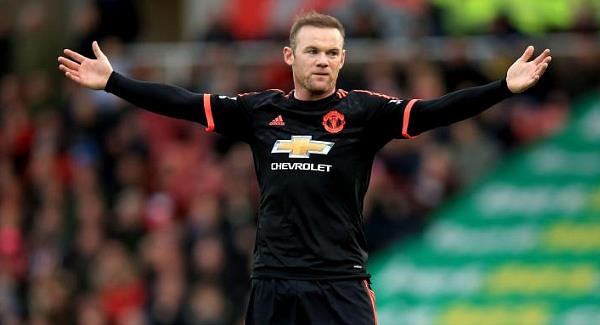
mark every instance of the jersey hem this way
{"type": "Point", "coordinates": [275, 274]}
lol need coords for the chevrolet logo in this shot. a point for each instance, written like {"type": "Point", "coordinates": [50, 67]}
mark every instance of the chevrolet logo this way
{"type": "Point", "coordinates": [301, 146]}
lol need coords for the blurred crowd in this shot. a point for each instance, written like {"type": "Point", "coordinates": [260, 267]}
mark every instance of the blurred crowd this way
{"type": "Point", "coordinates": [112, 215]}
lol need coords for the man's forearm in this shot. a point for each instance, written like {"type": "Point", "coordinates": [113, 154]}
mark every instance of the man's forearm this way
{"type": "Point", "coordinates": [158, 98]}
{"type": "Point", "coordinates": [456, 106]}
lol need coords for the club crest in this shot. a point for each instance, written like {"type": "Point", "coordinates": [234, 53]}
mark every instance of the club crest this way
{"type": "Point", "coordinates": [334, 122]}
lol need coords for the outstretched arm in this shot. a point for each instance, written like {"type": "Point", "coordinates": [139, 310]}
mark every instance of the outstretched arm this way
{"type": "Point", "coordinates": [158, 98]}
{"type": "Point", "coordinates": [459, 105]}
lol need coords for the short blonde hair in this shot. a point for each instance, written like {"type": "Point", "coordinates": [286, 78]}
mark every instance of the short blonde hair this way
{"type": "Point", "coordinates": [315, 19]}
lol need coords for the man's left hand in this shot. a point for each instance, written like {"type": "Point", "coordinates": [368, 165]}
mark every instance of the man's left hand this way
{"type": "Point", "coordinates": [523, 74]}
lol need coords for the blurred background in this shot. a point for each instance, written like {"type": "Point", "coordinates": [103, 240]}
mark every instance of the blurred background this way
{"type": "Point", "coordinates": [113, 215]}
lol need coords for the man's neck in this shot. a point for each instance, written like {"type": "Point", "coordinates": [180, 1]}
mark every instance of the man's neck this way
{"type": "Point", "coordinates": [305, 95]}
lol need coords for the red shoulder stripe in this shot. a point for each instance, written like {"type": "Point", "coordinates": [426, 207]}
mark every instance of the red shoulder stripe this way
{"type": "Point", "coordinates": [374, 94]}
{"type": "Point", "coordinates": [406, 120]}
{"type": "Point", "coordinates": [210, 123]}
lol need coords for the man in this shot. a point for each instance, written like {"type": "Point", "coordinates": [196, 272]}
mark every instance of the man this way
{"type": "Point", "coordinates": [313, 150]}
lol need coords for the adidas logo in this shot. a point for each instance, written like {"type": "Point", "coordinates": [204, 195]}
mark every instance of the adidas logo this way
{"type": "Point", "coordinates": [278, 121]}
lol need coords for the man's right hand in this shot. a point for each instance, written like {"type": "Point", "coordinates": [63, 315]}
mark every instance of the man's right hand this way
{"type": "Point", "coordinates": [90, 73]}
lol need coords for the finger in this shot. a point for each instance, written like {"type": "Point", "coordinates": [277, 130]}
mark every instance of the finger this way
{"type": "Point", "coordinates": [65, 69]}
{"type": "Point", "coordinates": [539, 72]}
{"type": "Point", "coordinates": [73, 77]}
{"type": "Point", "coordinates": [97, 50]}
{"type": "Point", "coordinates": [542, 56]}
{"type": "Point", "coordinates": [527, 54]}
{"type": "Point", "coordinates": [68, 63]}
{"type": "Point", "coordinates": [74, 56]}
{"type": "Point", "coordinates": [541, 69]}
{"type": "Point", "coordinates": [70, 73]}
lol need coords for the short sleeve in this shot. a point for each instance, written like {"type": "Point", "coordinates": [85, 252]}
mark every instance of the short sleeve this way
{"type": "Point", "coordinates": [388, 117]}
{"type": "Point", "coordinates": [228, 116]}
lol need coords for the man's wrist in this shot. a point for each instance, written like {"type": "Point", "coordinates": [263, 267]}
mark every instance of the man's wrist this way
{"type": "Point", "coordinates": [507, 88]}
{"type": "Point", "coordinates": [112, 78]}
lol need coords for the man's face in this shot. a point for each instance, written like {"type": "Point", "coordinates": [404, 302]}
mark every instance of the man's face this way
{"type": "Point", "coordinates": [316, 60]}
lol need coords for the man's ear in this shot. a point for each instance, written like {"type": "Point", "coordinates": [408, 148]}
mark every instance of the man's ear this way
{"type": "Point", "coordinates": [343, 58]}
{"type": "Point", "coordinates": [288, 55]}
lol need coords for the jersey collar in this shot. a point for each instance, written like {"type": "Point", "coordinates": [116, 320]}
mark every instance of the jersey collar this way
{"type": "Point", "coordinates": [314, 103]}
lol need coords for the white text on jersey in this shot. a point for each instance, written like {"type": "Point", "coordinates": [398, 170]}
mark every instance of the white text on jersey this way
{"type": "Point", "coordinates": [323, 168]}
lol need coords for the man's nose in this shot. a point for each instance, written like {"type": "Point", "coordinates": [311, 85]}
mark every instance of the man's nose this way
{"type": "Point", "coordinates": [322, 61]}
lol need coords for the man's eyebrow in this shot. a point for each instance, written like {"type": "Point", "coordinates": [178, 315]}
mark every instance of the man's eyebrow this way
{"type": "Point", "coordinates": [310, 47]}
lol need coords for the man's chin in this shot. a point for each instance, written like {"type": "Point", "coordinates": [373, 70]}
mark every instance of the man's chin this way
{"type": "Point", "coordinates": [320, 89]}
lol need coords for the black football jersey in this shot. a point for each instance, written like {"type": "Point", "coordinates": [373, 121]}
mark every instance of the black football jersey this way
{"type": "Point", "coordinates": [312, 159]}
{"type": "Point", "coordinates": [313, 162]}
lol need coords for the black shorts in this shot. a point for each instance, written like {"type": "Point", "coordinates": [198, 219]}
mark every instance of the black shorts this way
{"type": "Point", "coordinates": [283, 302]}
